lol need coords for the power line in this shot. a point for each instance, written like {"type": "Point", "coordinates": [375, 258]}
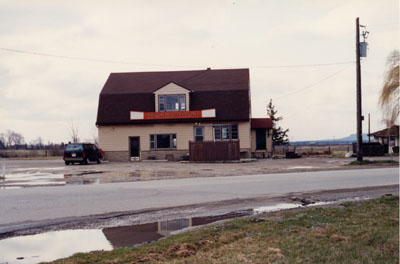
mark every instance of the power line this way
{"type": "Point", "coordinates": [304, 65]}
{"type": "Point", "coordinates": [88, 59]}
{"type": "Point", "coordinates": [317, 82]}
{"type": "Point", "coordinates": [167, 65]}
{"type": "Point", "coordinates": [383, 25]}
{"type": "Point", "coordinates": [313, 84]}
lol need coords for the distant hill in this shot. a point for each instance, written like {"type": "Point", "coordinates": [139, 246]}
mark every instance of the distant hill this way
{"type": "Point", "coordinates": [340, 141]}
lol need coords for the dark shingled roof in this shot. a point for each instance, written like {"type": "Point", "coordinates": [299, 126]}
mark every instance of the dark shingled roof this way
{"type": "Point", "coordinates": [226, 90]}
{"type": "Point", "coordinates": [196, 81]}
{"type": "Point", "coordinates": [261, 123]}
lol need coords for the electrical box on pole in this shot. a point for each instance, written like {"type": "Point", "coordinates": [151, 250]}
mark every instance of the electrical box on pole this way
{"type": "Point", "coordinates": [364, 44]}
{"type": "Point", "coordinates": [363, 49]}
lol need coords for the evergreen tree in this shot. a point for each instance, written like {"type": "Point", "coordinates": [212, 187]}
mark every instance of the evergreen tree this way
{"type": "Point", "coordinates": [279, 136]}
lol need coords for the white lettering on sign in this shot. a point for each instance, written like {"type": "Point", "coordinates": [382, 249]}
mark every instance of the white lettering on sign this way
{"type": "Point", "coordinates": [207, 113]}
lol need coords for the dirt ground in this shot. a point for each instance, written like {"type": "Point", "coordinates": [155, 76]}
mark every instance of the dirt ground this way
{"type": "Point", "coordinates": [22, 173]}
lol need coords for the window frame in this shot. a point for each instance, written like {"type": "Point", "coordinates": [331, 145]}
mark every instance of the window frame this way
{"type": "Point", "coordinates": [230, 132]}
{"type": "Point", "coordinates": [181, 98]}
{"type": "Point", "coordinates": [172, 142]}
{"type": "Point", "coordinates": [195, 133]}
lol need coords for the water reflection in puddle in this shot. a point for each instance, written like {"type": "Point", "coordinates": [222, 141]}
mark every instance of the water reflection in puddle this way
{"type": "Point", "coordinates": [31, 177]}
{"type": "Point", "coordinates": [24, 180]}
{"type": "Point", "coordinates": [50, 246]}
{"type": "Point", "coordinates": [301, 167]}
{"type": "Point", "coordinates": [59, 244]}
{"type": "Point", "coordinates": [276, 207]}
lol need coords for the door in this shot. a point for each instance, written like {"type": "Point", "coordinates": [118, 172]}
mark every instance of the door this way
{"type": "Point", "coordinates": [261, 139]}
{"type": "Point", "coordinates": [134, 147]}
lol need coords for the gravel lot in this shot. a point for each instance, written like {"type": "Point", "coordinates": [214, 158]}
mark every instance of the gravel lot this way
{"type": "Point", "coordinates": [22, 173]}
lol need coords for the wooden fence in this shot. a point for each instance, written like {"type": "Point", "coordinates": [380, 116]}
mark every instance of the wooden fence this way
{"type": "Point", "coordinates": [214, 151]}
{"type": "Point", "coordinates": [313, 149]}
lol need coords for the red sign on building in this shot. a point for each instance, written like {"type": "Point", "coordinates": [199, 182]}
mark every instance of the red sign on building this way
{"type": "Point", "coordinates": [208, 113]}
{"type": "Point", "coordinates": [172, 115]}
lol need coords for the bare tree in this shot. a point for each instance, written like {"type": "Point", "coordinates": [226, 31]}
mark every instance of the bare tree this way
{"type": "Point", "coordinates": [389, 97]}
{"type": "Point", "coordinates": [38, 142]}
{"type": "Point", "coordinates": [2, 141]}
{"type": "Point", "coordinates": [74, 132]}
{"type": "Point", "coordinates": [9, 138]}
{"type": "Point", "coordinates": [14, 138]}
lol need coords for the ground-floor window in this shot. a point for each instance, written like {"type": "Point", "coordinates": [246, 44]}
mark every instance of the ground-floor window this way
{"type": "Point", "coordinates": [163, 141]}
{"type": "Point", "coordinates": [226, 132]}
{"type": "Point", "coordinates": [198, 134]}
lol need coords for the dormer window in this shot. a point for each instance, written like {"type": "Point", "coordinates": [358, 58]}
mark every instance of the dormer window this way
{"type": "Point", "coordinates": [175, 102]}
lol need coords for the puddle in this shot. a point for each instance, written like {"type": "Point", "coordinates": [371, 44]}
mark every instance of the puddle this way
{"type": "Point", "coordinates": [302, 167]}
{"type": "Point", "coordinates": [276, 207]}
{"type": "Point", "coordinates": [50, 246]}
{"type": "Point", "coordinates": [41, 169]}
{"type": "Point", "coordinates": [33, 177]}
{"type": "Point", "coordinates": [60, 244]}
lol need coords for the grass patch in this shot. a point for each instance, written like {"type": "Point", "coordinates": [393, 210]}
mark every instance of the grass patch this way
{"type": "Point", "coordinates": [357, 232]}
{"type": "Point", "coordinates": [370, 162]}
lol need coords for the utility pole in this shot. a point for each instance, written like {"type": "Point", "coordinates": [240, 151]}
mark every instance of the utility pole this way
{"type": "Point", "coordinates": [359, 115]}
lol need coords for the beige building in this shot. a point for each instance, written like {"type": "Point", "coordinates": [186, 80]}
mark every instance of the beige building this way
{"type": "Point", "coordinates": [158, 115]}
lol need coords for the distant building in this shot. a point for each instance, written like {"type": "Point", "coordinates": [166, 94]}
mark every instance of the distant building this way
{"type": "Point", "coordinates": [382, 136]}
{"type": "Point", "coordinates": [156, 115]}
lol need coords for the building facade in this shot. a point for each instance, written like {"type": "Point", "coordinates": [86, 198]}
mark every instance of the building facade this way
{"type": "Point", "coordinates": [382, 136]}
{"type": "Point", "coordinates": [155, 115]}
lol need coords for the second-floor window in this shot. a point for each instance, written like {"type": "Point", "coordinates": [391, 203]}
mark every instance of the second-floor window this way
{"type": "Point", "coordinates": [175, 102]}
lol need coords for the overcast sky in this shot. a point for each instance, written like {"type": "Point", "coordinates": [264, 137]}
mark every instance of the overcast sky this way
{"type": "Point", "coordinates": [42, 95]}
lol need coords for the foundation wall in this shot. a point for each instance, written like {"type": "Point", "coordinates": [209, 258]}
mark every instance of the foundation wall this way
{"type": "Point", "coordinates": [116, 155]}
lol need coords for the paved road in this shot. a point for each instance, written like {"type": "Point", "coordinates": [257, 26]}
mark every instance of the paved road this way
{"type": "Point", "coordinates": [44, 203]}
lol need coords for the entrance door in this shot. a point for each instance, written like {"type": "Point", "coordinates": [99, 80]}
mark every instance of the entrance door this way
{"type": "Point", "coordinates": [134, 146]}
{"type": "Point", "coordinates": [261, 142]}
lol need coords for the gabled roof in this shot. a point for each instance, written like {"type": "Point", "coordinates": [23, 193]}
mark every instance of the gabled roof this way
{"type": "Point", "coordinates": [196, 81]}
{"type": "Point", "coordinates": [181, 86]}
{"type": "Point", "coordinates": [226, 90]}
{"type": "Point", "coordinates": [261, 123]}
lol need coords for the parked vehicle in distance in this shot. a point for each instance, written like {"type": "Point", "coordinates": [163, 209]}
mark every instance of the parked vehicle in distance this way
{"type": "Point", "coordinates": [82, 153]}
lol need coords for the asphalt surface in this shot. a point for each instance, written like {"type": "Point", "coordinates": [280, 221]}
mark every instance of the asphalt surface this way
{"type": "Point", "coordinates": [44, 203]}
